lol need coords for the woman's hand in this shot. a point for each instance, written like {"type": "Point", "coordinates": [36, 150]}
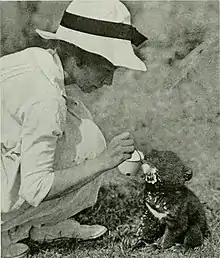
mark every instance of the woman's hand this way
{"type": "Point", "coordinates": [118, 150]}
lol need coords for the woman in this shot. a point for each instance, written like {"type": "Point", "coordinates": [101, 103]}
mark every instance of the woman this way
{"type": "Point", "coordinates": [53, 154]}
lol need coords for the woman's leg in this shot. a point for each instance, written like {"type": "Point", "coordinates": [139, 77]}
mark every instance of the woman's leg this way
{"type": "Point", "coordinates": [51, 212]}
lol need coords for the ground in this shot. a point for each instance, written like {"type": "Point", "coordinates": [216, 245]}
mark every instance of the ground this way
{"type": "Point", "coordinates": [119, 209]}
{"type": "Point", "coordinates": [174, 105]}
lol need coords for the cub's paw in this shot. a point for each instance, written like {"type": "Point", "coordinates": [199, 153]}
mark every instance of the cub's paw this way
{"type": "Point", "coordinates": [167, 240]}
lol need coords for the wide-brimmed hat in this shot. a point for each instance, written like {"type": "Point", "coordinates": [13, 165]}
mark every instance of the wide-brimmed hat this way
{"type": "Point", "coordinates": [102, 27]}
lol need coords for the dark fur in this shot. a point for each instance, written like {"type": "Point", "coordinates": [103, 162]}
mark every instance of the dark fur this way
{"type": "Point", "coordinates": [185, 221]}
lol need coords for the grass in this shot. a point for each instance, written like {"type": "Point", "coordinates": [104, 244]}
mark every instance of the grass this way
{"type": "Point", "coordinates": [119, 209]}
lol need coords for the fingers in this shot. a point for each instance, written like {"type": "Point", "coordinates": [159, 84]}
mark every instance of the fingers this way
{"type": "Point", "coordinates": [125, 149]}
{"type": "Point", "coordinates": [128, 149]}
{"type": "Point", "coordinates": [122, 146]}
{"type": "Point", "coordinates": [127, 152]}
{"type": "Point", "coordinates": [125, 143]}
{"type": "Point", "coordinates": [127, 156]}
{"type": "Point", "coordinates": [123, 136]}
{"type": "Point", "coordinates": [123, 140]}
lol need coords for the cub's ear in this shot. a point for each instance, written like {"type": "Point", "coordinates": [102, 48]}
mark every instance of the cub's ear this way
{"type": "Point", "coordinates": [188, 173]}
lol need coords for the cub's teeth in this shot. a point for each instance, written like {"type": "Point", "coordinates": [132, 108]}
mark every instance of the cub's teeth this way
{"type": "Point", "coordinates": [151, 173]}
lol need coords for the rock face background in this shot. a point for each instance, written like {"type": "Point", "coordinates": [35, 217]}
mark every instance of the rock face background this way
{"type": "Point", "coordinates": [175, 104]}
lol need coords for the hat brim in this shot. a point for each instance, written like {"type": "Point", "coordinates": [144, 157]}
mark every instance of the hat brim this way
{"type": "Point", "coordinates": [119, 52]}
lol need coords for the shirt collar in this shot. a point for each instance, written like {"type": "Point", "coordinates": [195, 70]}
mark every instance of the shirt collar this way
{"type": "Point", "coordinates": [52, 68]}
{"type": "Point", "coordinates": [60, 78]}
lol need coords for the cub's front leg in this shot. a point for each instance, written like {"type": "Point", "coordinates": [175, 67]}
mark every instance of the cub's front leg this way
{"type": "Point", "coordinates": [150, 228]}
{"type": "Point", "coordinates": [168, 239]}
{"type": "Point", "coordinates": [176, 226]}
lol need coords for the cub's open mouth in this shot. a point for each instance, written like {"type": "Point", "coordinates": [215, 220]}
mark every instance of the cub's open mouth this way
{"type": "Point", "coordinates": [151, 174]}
{"type": "Point", "coordinates": [152, 179]}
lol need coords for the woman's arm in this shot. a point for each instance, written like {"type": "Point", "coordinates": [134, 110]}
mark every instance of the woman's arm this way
{"type": "Point", "coordinates": [73, 178]}
{"type": "Point", "coordinates": [118, 150]}
{"type": "Point", "coordinates": [39, 181]}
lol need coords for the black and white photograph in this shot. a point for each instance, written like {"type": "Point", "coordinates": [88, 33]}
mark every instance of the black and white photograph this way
{"type": "Point", "coordinates": [110, 129]}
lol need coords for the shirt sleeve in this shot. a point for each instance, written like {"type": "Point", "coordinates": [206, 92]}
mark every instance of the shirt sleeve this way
{"type": "Point", "coordinates": [43, 124]}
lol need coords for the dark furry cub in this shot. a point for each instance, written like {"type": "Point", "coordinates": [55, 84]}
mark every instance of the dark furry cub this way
{"type": "Point", "coordinates": [173, 213]}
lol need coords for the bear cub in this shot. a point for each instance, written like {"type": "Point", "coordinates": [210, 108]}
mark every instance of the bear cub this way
{"type": "Point", "coordinates": [173, 213]}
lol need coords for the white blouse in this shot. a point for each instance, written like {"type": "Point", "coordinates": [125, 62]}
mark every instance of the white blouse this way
{"type": "Point", "coordinates": [34, 114]}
